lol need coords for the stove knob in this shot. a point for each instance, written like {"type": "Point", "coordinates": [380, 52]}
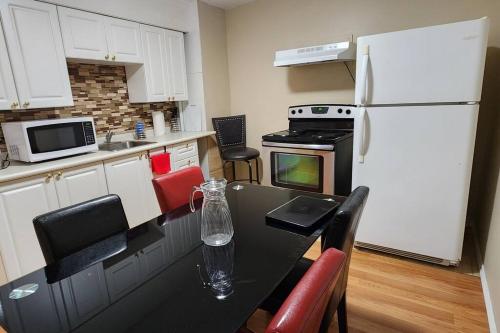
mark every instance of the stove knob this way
{"type": "Point", "coordinates": [293, 111]}
{"type": "Point", "coordinates": [348, 111]}
{"type": "Point", "coordinates": [339, 110]}
{"type": "Point", "coordinates": [300, 110]}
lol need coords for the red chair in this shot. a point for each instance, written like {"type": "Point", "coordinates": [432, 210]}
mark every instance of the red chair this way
{"type": "Point", "coordinates": [173, 189]}
{"type": "Point", "coordinates": [303, 310]}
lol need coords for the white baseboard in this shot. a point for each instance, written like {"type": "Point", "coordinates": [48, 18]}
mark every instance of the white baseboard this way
{"type": "Point", "coordinates": [484, 284]}
{"type": "Point", "coordinates": [487, 301]}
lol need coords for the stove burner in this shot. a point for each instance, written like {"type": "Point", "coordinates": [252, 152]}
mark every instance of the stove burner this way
{"type": "Point", "coordinates": [311, 136]}
{"type": "Point", "coordinates": [327, 137]}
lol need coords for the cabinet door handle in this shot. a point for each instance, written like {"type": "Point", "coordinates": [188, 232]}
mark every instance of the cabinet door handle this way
{"type": "Point", "coordinates": [59, 175]}
{"type": "Point", "coordinates": [26, 104]}
{"type": "Point", "coordinates": [48, 177]}
{"type": "Point", "coordinates": [106, 56]}
{"type": "Point", "coordinates": [113, 58]}
{"type": "Point", "coordinates": [14, 105]}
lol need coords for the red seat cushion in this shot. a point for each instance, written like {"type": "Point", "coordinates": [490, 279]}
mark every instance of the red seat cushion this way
{"type": "Point", "coordinates": [173, 189]}
{"type": "Point", "coordinates": [304, 308]}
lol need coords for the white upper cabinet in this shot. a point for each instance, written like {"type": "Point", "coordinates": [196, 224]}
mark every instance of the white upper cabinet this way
{"type": "Point", "coordinates": [89, 36]}
{"type": "Point", "coordinates": [8, 93]}
{"type": "Point", "coordinates": [150, 82]}
{"type": "Point", "coordinates": [163, 76]}
{"type": "Point", "coordinates": [124, 41]}
{"type": "Point", "coordinates": [83, 33]}
{"type": "Point", "coordinates": [36, 53]}
{"type": "Point", "coordinates": [177, 65]}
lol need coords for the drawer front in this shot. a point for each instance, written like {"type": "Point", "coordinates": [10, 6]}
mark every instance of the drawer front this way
{"type": "Point", "coordinates": [185, 151]}
{"type": "Point", "coordinates": [188, 162]}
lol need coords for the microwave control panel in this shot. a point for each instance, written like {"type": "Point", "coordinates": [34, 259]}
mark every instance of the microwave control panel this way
{"type": "Point", "coordinates": [88, 129]}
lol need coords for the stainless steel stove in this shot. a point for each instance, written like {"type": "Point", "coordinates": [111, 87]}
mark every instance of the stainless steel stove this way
{"type": "Point", "coordinates": [315, 152]}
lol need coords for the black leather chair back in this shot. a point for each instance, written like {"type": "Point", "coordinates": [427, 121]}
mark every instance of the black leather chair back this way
{"type": "Point", "coordinates": [68, 230]}
{"type": "Point", "coordinates": [340, 235]}
{"type": "Point", "coordinates": [230, 131]}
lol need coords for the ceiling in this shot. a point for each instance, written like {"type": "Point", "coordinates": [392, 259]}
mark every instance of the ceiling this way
{"type": "Point", "coordinates": [227, 4]}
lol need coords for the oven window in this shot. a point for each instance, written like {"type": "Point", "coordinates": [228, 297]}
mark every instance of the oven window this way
{"type": "Point", "coordinates": [297, 171]}
{"type": "Point", "coordinates": [55, 137]}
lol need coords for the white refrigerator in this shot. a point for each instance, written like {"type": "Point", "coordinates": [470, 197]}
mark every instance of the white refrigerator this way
{"type": "Point", "coordinates": [418, 93]}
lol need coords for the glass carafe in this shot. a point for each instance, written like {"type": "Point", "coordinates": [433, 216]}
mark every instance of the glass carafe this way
{"type": "Point", "coordinates": [216, 225]}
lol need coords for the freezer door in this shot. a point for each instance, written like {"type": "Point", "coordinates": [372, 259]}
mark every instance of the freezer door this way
{"type": "Point", "coordinates": [417, 162]}
{"type": "Point", "coordinates": [437, 64]}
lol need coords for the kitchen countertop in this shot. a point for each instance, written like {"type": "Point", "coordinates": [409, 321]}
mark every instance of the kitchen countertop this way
{"type": "Point", "coordinates": [18, 170]}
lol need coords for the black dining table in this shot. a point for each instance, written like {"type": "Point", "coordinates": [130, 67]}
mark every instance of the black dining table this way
{"type": "Point", "coordinates": [158, 277]}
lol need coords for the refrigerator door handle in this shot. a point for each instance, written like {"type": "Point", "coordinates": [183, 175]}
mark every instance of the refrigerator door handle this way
{"type": "Point", "coordinates": [364, 74]}
{"type": "Point", "coordinates": [361, 135]}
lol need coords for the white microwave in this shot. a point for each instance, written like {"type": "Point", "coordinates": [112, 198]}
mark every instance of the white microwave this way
{"type": "Point", "coordinates": [41, 140]}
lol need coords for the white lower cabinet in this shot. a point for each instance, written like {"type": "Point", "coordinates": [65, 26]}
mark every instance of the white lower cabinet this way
{"type": "Point", "coordinates": [80, 184]}
{"type": "Point", "coordinates": [21, 201]}
{"type": "Point", "coordinates": [130, 178]}
{"type": "Point", "coordinates": [185, 155]}
{"type": "Point", "coordinates": [188, 162]}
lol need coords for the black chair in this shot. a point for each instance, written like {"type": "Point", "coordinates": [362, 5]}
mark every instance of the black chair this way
{"type": "Point", "coordinates": [231, 139]}
{"type": "Point", "coordinates": [340, 235]}
{"type": "Point", "coordinates": [69, 230]}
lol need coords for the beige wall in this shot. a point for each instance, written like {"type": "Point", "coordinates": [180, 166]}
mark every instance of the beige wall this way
{"type": "Point", "coordinates": [215, 74]}
{"type": "Point", "coordinates": [256, 30]}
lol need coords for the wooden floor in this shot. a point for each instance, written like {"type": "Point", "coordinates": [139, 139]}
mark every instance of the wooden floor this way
{"type": "Point", "coordinates": [390, 294]}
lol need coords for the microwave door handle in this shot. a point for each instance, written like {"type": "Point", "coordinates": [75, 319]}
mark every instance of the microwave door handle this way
{"type": "Point", "coordinates": [361, 135]}
{"type": "Point", "coordinates": [364, 74]}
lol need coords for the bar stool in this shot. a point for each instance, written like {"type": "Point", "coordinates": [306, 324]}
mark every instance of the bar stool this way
{"type": "Point", "coordinates": [231, 140]}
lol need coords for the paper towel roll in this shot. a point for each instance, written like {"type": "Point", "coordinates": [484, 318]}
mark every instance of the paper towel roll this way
{"type": "Point", "coordinates": [158, 123]}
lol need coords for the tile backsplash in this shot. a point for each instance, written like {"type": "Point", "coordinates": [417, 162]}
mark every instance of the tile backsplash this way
{"type": "Point", "coordinates": [99, 91]}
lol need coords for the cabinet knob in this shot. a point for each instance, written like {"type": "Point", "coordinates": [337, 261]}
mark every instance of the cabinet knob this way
{"type": "Point", "coordinates": [59, 175]}
{"type": "Point", "coordinates": [106, 56]}
{"type": "Point", "coordinates": [113, 58]}
{"type": "Point", "coordinates": [48, 177]}
{"type": "Point", "coordinates": [14, 105]}
{"type": "Point", "coordinates": [173, 98]}
{"type": "Point", "coordinates": [26, 104]}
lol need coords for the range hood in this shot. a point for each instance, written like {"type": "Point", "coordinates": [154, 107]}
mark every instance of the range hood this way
{"type": "Point", "coordinates": [343, 51]}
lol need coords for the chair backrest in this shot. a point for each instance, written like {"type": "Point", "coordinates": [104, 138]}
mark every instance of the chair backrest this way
{"type": "Point", "coordinates": [340, 235]}
{"type": "Point", "coordinates": [174, 188]}
{"type": "Point", "coordinates": [303, 309]}
{"type": "Point", "coordinates": [230, 131]}
{"type": "Point", "coordinates": [68, 230]}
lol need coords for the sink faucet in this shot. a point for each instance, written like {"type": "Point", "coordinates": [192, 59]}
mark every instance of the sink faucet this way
{"type": "Point", "coordinates": [109, 135]}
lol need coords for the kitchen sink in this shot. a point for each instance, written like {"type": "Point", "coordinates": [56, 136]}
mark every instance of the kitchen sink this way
{"type": "Point", "coordinates": [121, 145]}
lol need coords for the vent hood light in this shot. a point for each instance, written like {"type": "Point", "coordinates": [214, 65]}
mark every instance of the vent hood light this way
{"type": "Point", "coordinates": [344, 51]}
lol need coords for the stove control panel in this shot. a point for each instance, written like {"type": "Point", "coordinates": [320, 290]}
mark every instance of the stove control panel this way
{"type": "Point", "coordinates": [338, 111]}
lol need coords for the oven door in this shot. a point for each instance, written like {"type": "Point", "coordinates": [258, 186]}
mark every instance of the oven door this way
{"type": "Point", "coordinates": [300, 169]}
